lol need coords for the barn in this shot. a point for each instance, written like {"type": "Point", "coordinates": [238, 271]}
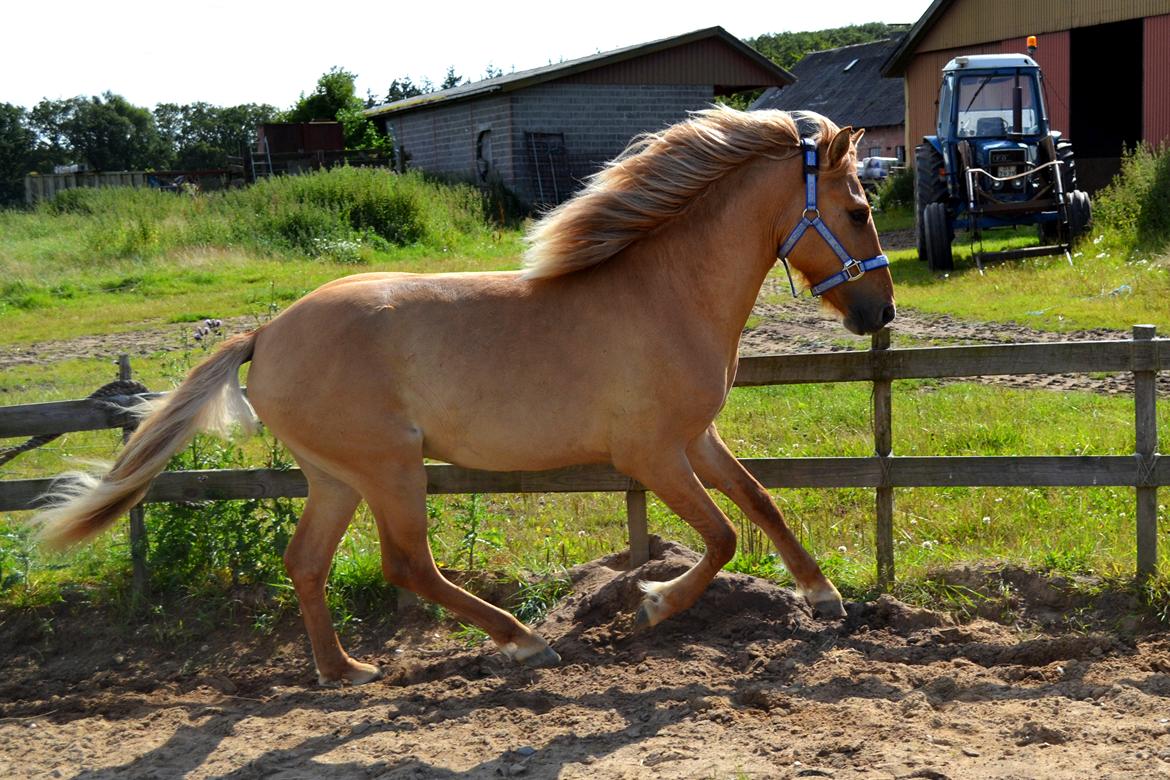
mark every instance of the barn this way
{"type": "Point", "coordinates": [1106, 68]}
{"type": "Point", "coordinates": [540, 132]}
{"type": "Point", "coordinates": [846, 85]}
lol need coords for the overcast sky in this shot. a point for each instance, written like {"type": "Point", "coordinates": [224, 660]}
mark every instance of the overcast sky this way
{"type": "Point", "coordinates": [269, 52]}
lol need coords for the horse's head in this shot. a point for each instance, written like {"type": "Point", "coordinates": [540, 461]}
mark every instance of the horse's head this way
{"type": "Point", "coordinates": [851, 278]}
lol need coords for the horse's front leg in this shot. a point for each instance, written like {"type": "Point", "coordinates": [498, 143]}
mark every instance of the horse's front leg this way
{"type": "Point", "coordinates": [673, 480]}
{"type": "Point", "coordinates": [715, 464]}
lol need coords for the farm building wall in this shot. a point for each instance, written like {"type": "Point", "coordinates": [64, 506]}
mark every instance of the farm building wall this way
{"type": "Point", "coordinates": [447, 140]}
{"type": "Point", "coordinates": [595, 121]}
{"type": "Point", "coordinates": [884, 141]}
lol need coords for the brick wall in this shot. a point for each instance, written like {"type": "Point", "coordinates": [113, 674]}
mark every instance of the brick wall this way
{"type": "Point", "coordinates": [887, 138]}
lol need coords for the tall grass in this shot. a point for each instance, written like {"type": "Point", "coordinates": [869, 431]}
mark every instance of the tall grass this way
{"type": "Point", "coordinates": [331, 213]}
{"type": "Point", "coordinates": [1134, 209]}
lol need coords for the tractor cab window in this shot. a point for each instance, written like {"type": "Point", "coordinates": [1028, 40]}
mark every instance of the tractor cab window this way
{"type": "Point", "coordinates": [984, 104]}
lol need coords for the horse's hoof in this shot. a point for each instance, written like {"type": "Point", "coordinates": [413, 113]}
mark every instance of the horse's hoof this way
{"type": "Point", "coordinates": [642, 621]}
{"type": "Point", "coordinates": [546, 657]}
{"type": "Point", "coordinates": [358, 674]}
{"type": "Point", "coordinates": [829, 609]}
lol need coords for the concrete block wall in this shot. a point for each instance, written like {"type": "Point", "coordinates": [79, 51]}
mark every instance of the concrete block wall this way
{"type": "Point", "coordinates": [597, 120]}
{"type": "Point", "coordinates": [442, 139]}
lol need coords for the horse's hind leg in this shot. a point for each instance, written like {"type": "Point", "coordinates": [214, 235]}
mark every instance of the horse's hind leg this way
{"type": "Point", "coordinates": [715, 464]}
{"type": "Point", "coordinates": [398, 500]}
{"type": "Point", "coordinates": [308, 557]}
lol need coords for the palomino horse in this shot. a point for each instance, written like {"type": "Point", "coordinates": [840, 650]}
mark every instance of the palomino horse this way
{"type": "Point", "coordinates": [617, 344]}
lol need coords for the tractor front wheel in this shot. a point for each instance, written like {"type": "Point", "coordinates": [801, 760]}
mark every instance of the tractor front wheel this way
{"type": "Point", "coordinates": [939, 233]}
{"type": "Point", "coordinates": [929, 188]}
{"type": "Point", "coordinates": [1080, 213]}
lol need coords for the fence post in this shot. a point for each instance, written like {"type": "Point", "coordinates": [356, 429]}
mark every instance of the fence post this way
{"type": "Point", "coordinates": [882, 446]}
{"type": "Point", "coordinates": [639, 533]}
{"type": "Point", "coordinates": [1146, 441]}
{"type": "Point", "coordinates": [140, 576]}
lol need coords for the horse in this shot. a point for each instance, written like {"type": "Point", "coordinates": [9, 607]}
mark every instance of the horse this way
{"type": "Point", "coordinates": [617, 343]}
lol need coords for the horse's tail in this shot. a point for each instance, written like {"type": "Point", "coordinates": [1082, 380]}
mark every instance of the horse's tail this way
{"type": "Point", "coordinates": [209, 399]}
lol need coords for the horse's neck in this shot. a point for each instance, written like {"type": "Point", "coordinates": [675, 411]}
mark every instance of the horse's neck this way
{"type": "Point", "coordinates": [715, 258]}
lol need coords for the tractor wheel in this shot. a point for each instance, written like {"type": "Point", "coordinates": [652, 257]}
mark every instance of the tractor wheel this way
{"type": "Point", "coordinates": [939, 233]}
{"type": "Point", "coordinates": [928, 189]}
{"type": "Point", "coordinates": [1080, 213]}
{"type": "Point", "coordinates": [1064, 153]}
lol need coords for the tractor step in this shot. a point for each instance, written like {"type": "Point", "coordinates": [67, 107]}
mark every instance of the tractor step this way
{"type": "Point", "coordinates": [1028, 251]}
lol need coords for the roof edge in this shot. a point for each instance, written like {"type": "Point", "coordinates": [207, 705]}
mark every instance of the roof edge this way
{"type": "Point", "coordinates": [536, 76]}
{"type": "Point", "coordinates": [899, 59]}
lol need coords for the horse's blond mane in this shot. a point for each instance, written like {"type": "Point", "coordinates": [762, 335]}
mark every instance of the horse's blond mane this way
{"type": "Point", "coordinates": [654, 181]}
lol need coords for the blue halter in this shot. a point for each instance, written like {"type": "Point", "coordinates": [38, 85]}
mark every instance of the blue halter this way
{"type": "Point", "coordinates": [852, 269]}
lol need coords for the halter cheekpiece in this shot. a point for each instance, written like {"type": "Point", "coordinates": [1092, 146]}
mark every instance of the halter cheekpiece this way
{"type": "Point", "coordinates": [852, 269]}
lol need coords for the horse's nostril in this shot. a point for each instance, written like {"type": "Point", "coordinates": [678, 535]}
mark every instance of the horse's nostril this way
{"type": "Point", "coordinates": [888, 314]}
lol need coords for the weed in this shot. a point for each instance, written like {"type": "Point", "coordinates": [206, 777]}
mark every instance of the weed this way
{"type": "Point", "coordinates": [534, 599]}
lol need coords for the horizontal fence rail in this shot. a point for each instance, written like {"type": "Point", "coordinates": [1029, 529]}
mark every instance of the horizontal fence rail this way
{"type": "Point", "coordinates": [814, 367]}
{"type": "Point", "coordinates": [1145, 471]}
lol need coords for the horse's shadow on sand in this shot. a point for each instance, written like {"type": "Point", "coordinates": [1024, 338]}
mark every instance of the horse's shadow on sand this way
{"type": "Point", "coordinates": [589, 631]}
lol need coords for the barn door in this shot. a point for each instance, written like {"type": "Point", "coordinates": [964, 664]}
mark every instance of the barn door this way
{"type": "Point", "coordinates": [548, 163]}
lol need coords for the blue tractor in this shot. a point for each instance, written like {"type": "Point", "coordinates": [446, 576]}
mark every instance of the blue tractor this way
{"type": "Point", "coordinates": [995, 163]}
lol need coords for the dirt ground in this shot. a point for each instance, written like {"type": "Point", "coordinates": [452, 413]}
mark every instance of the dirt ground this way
{"type": "Point", "coordinates": [1048, 683]}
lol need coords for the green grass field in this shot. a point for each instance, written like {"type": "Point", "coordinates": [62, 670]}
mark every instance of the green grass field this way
{"type": "Point", "coordinates": [108, 265]}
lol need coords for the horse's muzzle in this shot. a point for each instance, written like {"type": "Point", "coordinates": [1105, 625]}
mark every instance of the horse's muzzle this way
{"type": "Point", "coordinates": [863, 320]}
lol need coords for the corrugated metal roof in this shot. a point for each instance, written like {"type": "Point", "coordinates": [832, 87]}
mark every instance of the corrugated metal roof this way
{"type": "Point", "coordinates": [767, 72]}
{"type": "Point", "coordinates": [844, 84]}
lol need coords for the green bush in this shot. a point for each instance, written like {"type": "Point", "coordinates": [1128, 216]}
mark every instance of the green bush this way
{"type": "Point", "coordinates": [1136, 204]}
{"type": "Point", "coordinates": [897, 191]}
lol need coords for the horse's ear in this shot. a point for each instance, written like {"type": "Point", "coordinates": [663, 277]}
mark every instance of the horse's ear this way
{"type": "Point", "coordinates": [855, 139]}
{"type": "Point", "coordinates": [839, 146]}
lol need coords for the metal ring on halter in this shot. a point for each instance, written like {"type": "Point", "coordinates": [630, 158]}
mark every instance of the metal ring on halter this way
{"type": "Point", "coordinates": [852, 269]}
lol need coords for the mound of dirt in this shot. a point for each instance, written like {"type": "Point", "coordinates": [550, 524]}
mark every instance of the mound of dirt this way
{"type": "Point", "coordinates": [746, 684]}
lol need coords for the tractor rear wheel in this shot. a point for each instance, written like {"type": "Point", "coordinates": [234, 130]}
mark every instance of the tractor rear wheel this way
{"type": "Point", "coordinates": [928, 189]}
{"type": "Point", "coordinates": [939, 233]}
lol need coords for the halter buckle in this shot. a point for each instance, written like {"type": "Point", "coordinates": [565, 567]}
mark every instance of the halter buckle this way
{"type": "Point", "coordinates": [854, 270]}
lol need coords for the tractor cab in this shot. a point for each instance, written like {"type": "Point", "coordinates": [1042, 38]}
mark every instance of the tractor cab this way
{"type": "Point", "coordinates": [991, 116]}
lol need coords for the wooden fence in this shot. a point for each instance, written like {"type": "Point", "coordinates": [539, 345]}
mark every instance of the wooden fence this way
{"type": "Point", "coordinates": [1145, 470]}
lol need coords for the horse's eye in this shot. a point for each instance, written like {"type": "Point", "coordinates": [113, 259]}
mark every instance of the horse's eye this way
{"type": "Point", "coordinates": [859, 216]}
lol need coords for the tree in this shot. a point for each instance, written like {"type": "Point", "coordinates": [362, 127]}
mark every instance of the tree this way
{"type": "Point", "coordinates": [788, 48]}
{"type": "Point", "coordinates": [200, 135]}
{"type": "Point", "coordinates": [451, 79]}
{"type": "Point", "coordinates": [16, 147]}
{"type": "Point", "coordinates": [334, 92]}
{"type": "Point", "coordinates": [335, 99]}
{"type": "Point", "coordinates": [403, 88]}
{"type": "Point", "coordinates": [110, 134]}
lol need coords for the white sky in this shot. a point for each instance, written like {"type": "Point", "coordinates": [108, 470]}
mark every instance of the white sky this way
{"type": "Point", "coordinates": [269, 52]}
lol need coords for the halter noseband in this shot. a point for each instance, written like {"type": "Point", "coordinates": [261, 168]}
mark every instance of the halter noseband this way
{"type": "Point", "coordinates": [852, 269]}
